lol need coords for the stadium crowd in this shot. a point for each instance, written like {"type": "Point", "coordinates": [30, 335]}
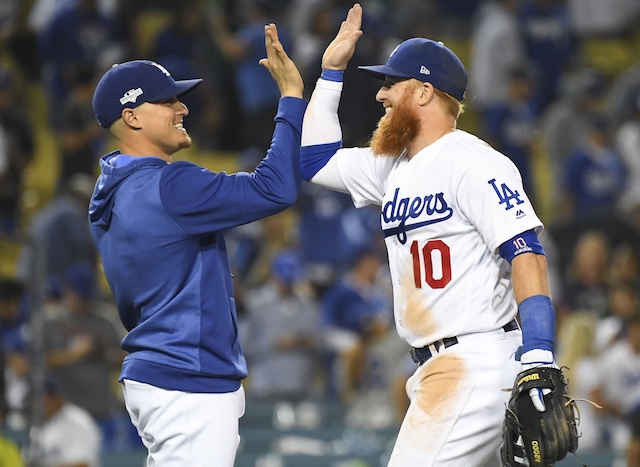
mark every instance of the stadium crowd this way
{"type": "Point", "coordinates": [554, 85]}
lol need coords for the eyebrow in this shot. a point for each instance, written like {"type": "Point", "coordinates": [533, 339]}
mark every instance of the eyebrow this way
{"type": "Point", "coordinates": [390, 81]}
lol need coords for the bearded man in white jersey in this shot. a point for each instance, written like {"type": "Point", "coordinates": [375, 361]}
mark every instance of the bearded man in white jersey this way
{"type": "Point", "coordinates": [461, 236]}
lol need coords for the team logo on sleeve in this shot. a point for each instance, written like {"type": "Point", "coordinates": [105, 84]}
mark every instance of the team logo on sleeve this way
{"type": "Point", "coordinates": [506, 195]}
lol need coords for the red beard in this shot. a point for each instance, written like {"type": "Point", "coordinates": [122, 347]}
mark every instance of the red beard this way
{"type": "Point", "coordinates": [396, 130]}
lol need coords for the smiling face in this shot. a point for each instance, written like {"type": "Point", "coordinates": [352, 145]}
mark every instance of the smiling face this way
{"type": "Point", "coordinates": [400, 124]}
{"type": "Point", "coordinates": [162, 124]}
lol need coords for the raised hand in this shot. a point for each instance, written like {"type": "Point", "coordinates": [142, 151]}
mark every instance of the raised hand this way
{"type": "Point", "coordinates": [282, 69]}
{"type": "Point", "coordinates": [341, 49]}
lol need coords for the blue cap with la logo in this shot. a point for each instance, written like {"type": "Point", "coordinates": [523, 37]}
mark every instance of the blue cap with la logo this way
{"type": "Point", "coordinates": [129, 84]}
{"type": "Point", "coordinates": [427, 61]}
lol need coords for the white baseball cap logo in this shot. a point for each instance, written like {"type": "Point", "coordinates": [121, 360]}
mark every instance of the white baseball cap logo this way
{"type": "Point", "coordinates": [424, 70]}
{"type": "Point", "coordinates": [131, 96]}
{"type": "Point", "coordinates": [161, 68]}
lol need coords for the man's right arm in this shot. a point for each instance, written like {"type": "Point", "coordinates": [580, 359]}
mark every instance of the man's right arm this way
{"type": "Point", "coordinates": [322, 136]}
{"type": "Point", "coordinates": [321, 132]}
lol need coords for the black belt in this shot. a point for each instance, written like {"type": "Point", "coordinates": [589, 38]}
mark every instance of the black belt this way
{"type": "Point", "coordinates": [423, 354]}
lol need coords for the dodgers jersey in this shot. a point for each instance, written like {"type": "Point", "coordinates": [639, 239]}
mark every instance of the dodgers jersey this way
{"type": "Point", "coordinates": [444, 215]}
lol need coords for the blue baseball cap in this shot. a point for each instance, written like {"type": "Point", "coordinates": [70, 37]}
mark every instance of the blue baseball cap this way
{"type": "Point", "coordinates": [287, 265]}
{"type": "Point", "coordinates": [81, 278]}
{"type": "Point", "coordinates": [129, 84]}
{"type": "Point", "coordinates": [427, 61]}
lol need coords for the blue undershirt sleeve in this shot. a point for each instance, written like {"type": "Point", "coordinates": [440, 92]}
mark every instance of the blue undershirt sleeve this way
{"type": "Point", "coordinates": [313, 158]}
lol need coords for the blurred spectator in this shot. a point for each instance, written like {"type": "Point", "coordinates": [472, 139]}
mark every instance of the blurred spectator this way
{"type": "Point", "coordinates": [17, 149]}
{"type": "Point", "coordinates": [257, 93]}
{"type": "Point", "coordinates": [595, 176]}
{"type": "Point", "coordinates": [358, 111]}
{"type": "Point", "coordinates": [565, 121]}
{"type": "Point", "coordinates": [456, 17]}
{"type": "Point", "coordinates": [510, 125]}
{"type": "Point", "coordinates": [586, 286]}
{"type": "Point", "coordinates": [356, 312]}
{"type": "Point", "coordinates": [625, 263]}
{"type": "Point", "coordinates": [549, 44]}
{"type": "Point", "coordinates": [313, 24]}
{"type": "Point", "coordinates": [627, 143]}
{"type": "Point", "coordinates": [81, 140]}
{"type": "Point", "coordinates": [623, 302]}
{"type": "Point", "coordinates": [579, 354]}
{"type": "Point", "coordinates": [68, 437]}
{"type": "Point", "coordinates": [17, 40]}
{"type": "Point", "coordinates": [59, 233]}
{"type": "Point", "coordinates": [618, 391]}
{"type": "Point", "coordinates": [299, 14]}
{"type": "Point", "coordinates": [275, 233]}
{"type": "Point", "coordinates": [621, 101]}
{"type": "Point", "coordinates": [42, 12]}
{"type": "Point", "coordinates": [595, 18]}
{"type": "Point", "coordinates": [14, 318]}
{"type": "Point", "coordinates": [184, 48]}
{"type": "Point", "coordinates": [280, 339]}
{"type": "Point", "coordinates": [322, 236]}
{"type": "Point", "coordinates": [414, 18]}
{"type": "Point", "coordinates": [495, 28]}
{"type": "Point", "coordinates": [82, 349]}
{"type": "Point", "coordinates": [78, 34]}
{"type": "Point", "coordinates": [386, 365]}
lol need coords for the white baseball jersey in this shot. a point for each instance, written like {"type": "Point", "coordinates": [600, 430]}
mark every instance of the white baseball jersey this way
{"type": "Point", "coordinates": [444, 214]}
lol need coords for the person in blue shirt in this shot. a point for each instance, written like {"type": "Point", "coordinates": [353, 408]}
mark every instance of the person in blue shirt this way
{"type": "Point", "coordinates": [159, 229]}
{"type": "Point", "coordinates": [594, 175]}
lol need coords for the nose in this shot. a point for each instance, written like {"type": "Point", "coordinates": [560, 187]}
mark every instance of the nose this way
{"type": "Point", "coordinates": [182, 108]}
{"type": "Point", "coordinates": [381, 95]}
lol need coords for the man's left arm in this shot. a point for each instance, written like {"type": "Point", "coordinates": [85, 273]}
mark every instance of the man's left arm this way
{"type": "Point", "coordinates": [541, 418]}
{"type": "Point", "coordinates": [531, 290]}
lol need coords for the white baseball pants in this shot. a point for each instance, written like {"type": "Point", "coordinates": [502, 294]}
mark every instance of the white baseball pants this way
{"type": "Point", "coordinates": [183, 429]}
{"type": "Point", "coordinates": [458, 404]}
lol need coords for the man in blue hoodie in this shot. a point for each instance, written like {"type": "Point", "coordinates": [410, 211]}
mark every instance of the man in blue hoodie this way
{"type": "Point", "coordinates": [159, 229]}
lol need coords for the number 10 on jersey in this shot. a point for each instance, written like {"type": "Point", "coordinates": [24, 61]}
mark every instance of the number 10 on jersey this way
{"type": "Point", "coordinates": [435, 258]}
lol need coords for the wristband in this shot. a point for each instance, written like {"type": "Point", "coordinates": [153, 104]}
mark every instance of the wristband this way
{"type": "Point", "coordinates": [537, 318]}
{"type": "Point", "coordinates": [332, 75]}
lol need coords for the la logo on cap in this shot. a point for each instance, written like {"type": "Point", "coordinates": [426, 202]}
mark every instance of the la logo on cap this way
{"type": "Point", "coordinates": [131, 96]}
{"type": "Point", "coordinates": [161, 68]}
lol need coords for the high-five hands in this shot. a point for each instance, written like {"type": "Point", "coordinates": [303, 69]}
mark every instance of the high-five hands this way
{"type": "Point", "coordinates": [282, 69]}
{"type": "Point", "coordinates": [341, 49]}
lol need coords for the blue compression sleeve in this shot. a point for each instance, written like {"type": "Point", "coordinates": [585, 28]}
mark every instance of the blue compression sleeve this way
{"type": "Point", "coordinates": [526, 242]}
{"type": "Point", "coordinates": [313, 158]}
{"type": "Point", "coordinates": [538, 319]}
{"type": "Point", "coordinates": [332, 75]}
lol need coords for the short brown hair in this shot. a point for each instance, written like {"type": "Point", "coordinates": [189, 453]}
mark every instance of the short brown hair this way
{"type": "Point", "coordinates": [451, 105]}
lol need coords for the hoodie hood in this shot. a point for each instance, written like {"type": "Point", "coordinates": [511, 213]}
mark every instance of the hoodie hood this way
{"type": "Point", "coordinates": [114, 169]}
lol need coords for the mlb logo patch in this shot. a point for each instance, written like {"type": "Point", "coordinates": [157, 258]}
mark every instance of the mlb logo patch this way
{"type": "Point", "coordinates": [131, 96]}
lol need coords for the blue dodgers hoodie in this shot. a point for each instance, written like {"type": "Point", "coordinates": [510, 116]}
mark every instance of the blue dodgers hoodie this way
{"type": "Point", "coordinates": [159, 229]}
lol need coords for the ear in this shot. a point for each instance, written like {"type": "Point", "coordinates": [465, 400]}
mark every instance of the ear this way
{"type": "Point", "coordinates": [130, 118]}
{"type": "Point", "coordinates": [426, 93]}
